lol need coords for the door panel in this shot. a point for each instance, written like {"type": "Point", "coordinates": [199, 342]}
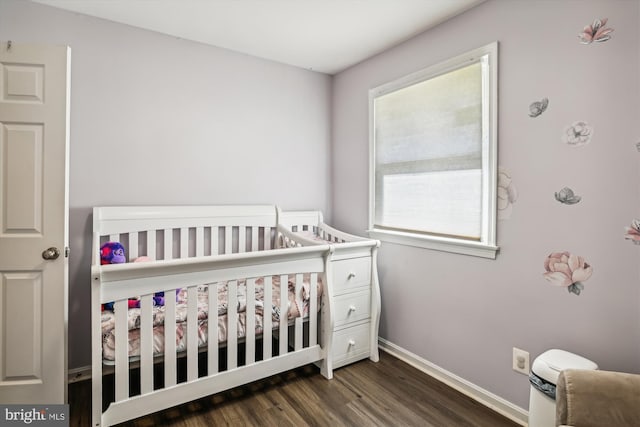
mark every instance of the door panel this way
{"type": "Point", "coordinates": [34, 101]}
{"type": "Point", "coordinates": [23, 82]}
{"type": "Point", "coordinates": [24, 292]}
{"type": "Point", "coordinates": [22, 167]}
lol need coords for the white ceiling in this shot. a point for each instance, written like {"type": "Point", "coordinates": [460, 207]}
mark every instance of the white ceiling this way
{"type": "Point", "coordinates": [321, 35]}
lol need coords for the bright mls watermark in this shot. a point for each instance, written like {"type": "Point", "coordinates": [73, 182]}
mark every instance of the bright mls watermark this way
{"type": "Point", "coordinates": [36, 415]}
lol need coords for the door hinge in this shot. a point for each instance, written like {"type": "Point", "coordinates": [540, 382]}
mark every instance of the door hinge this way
{"type": "Point", "coordinates": [67, 251]}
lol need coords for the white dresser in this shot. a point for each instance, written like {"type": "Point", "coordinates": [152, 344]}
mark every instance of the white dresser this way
{"type": "Point", "coordinates": [355, 330]}
{"type": "Point", "coordinates": [354, 293]}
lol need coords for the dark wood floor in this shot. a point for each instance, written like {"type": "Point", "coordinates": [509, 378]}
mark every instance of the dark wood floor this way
{"type": "Point", "coordinates": [388, 393]}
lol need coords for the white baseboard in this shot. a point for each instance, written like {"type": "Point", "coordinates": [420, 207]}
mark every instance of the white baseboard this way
{"type": "Point", "coordinates": [488, 399]}
{"type": "Point", "coordinates": [79, 374]}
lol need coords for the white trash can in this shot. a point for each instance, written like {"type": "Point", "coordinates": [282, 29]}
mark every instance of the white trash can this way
{"type": "Point", "coordinates": [544, 378]}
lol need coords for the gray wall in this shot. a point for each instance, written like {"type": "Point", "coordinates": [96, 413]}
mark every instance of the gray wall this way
{"type": "Point", "coordinates": [155, 119]}
{"type": "Point", "coordinates": [159, 120]}
{"type": "Point", "coordinates": [463, 313]}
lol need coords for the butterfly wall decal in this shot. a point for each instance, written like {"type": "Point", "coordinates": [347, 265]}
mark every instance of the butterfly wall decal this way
{"type": "Point", "coordinates": [538, 107]}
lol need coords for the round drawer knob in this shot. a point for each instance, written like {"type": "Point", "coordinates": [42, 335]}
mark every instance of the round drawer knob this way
{"type": "Point", "coordinates": [351, 276]}
{"type": "Point", "coordinates": [352, 343]}
{"type": "Point", "coordinates": [352, 308]}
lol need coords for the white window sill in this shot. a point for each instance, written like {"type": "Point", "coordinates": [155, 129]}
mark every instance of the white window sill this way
{"type": "Point", "coordinates": [437, 243]}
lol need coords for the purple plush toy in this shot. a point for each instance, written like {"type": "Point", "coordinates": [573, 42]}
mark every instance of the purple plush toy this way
{"type": "Point", "coordinates": [112, 253]}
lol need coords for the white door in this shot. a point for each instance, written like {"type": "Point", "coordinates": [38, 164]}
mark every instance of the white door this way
{"type": "Point", "coordinates": [34, 102]}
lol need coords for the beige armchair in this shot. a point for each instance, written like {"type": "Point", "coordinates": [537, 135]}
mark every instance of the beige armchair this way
{"type": "Point", "coordinates": [597, 399]}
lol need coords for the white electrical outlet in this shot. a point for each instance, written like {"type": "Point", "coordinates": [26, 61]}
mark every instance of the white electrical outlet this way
{"type": "Point", "coordinates": [520, 361]}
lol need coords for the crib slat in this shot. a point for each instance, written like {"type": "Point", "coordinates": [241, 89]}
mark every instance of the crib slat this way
{"type": "Point", "coordinates": [313, 309]}
{"type": "Point", "coordinates": [250, 323]}
{"type": "Point", "coordinates": [212, 325]}
{"type": "Point", "coordinates": [122, 351]}
{"type": "Point", "coordinates": [170, 338]}
{"type": "Point", "coordinates": [192, 333]}
{"type": "Point", "coordinates": [284, 300]}
{"type": "Point", "coordinates": [184, 242]}
{"type": "Point", "coordinates": [199, 241]}
{"type": "Point", "coordinates": [215, 237]}
{"type": "Point", "coordinates": [133, 246]}
{"type": "Point", "coordinates": [232, 324]}
{"type": "Point", "coordinates": [151, 244]}
{"type": "Point", "coordinates": [298, 321]}
{"type": "Point", "coordinates": [168, 243]}
{"type": "Point", "coordinates": [242, 239]}
{"type": "Point", "coordinates": [267, 238]}
{"type": "Point", "coordinates": [267, 320]}
{"type": "Point", "coordinates": [228, 239]}
{"type": "Point", "coordinates": [146, 344]}
{"type": "Point", "coordinates": [255, 240]}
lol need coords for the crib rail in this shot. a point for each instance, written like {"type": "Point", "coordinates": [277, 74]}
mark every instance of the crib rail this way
{"type": "Point", "coordinates": [175, 232]}
{"type": "Point", "coordinates": [298, 341]}
{"type": "Point", "coordinates": [323, 234]}
{"type": "Point", "coordinates": [299, 220]}
{"type": "Point", "coordinates": [312, 222]}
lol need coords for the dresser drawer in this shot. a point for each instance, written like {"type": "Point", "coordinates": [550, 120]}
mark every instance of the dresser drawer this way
{"type": "Point", "coordinates": [352, 307]}
{"type": "Point", "coordinates": [350, 344]}
{"type": "Point", "coordinates": [351, 273]}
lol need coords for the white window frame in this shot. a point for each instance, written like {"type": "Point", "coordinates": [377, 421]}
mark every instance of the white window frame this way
{"type": "Point", "coordinates": [487, 245]}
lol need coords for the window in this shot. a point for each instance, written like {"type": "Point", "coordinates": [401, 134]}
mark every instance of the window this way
{"type": "Point", "coordinates": [434, 156]}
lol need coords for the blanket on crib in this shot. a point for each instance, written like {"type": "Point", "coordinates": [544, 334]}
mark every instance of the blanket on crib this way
{"type": "Point", "coordinates": [133, 315]}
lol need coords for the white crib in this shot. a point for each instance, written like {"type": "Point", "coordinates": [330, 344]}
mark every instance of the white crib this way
{"type": "Point", "coordinates": [196, 250]}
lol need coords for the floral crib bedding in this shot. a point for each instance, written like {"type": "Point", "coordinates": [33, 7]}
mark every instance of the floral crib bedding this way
{"type": "Point", "coordinates": [133, 316]}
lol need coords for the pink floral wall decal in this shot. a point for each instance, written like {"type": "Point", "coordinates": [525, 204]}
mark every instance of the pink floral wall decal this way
{"type": "Point", "coordinates": [567, 270]}
{"type": "Point", "coordinates": [507, 194]}
{"type": "Point", "coordinates": [633, 232]}
{"type": "Point", "coordinates": [596, 32]}
{"type": "Point", "coordinates": [578, 134]}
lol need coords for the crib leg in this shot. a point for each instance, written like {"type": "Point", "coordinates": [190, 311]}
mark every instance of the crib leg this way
{"type": "Point", "coordinates": [96, 400]}
{"type": "Point", "coordinates": [326, 368]}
